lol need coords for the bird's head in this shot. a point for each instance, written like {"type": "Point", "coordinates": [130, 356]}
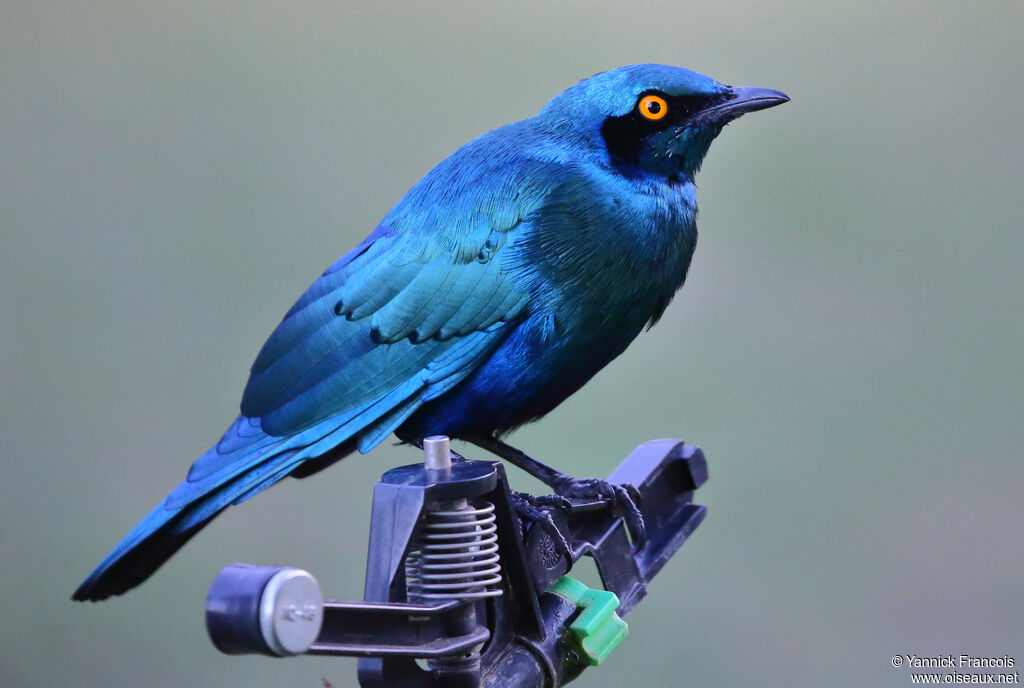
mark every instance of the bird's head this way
{"type": "Point", "coordinates": [651, 119]}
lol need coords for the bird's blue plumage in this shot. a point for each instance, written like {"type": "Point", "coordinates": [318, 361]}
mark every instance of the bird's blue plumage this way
{"type": "Point", "coordinates": [501, 283]}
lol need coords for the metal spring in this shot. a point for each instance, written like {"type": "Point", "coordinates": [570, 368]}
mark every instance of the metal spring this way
{"type": "Point", "coordinates": [456, 556]}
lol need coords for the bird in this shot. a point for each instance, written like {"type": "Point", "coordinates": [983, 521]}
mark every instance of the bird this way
{"type": "Point", "coordinates": [502, 282]}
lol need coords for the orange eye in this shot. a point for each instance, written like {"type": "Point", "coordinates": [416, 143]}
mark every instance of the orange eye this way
{"type": "Point", "coordinates": [652, 107]}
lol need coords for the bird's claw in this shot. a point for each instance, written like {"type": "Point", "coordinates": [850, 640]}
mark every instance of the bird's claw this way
{"type": "Point", "coordinates": [554, 501]}
{"type": "Point", "coordinates": [622, 499]}
{"type": "Point", "coordinates": [533, 510]}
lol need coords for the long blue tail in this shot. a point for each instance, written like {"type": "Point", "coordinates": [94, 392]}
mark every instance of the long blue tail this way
{"type": "Point", "coordinates": [244, 462]}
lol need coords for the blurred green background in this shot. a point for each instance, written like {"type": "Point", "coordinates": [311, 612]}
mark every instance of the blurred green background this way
{"type": "Point", "coordinates": [847, 350]}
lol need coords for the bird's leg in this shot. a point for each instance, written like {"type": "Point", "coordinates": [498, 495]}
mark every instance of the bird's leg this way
{"type": "Point", "coordinates": [622, 498]}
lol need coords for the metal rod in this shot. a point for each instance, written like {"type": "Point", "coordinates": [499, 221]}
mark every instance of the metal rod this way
{"type": "Point", "coordinates": [437, 452]}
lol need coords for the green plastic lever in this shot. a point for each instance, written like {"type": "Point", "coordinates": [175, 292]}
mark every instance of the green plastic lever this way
{"type": "Point", "coordinates": [597, 627]}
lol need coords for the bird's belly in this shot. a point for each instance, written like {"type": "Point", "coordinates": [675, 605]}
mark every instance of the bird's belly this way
{"type": "Point", "coordinates": [527, 376]}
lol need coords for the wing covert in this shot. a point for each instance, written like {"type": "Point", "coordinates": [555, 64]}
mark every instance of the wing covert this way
{"type": "Point", "coordinates": [382, 326]}
{"type": "Point", "coordinates": [413, 309]}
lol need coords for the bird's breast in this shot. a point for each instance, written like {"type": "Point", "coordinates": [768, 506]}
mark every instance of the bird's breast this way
{"type": "Point", "coordinates": [608, 254]}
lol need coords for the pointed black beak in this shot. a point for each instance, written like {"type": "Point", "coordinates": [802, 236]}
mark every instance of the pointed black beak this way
{"type": "Point", "coordinates": [740, 101]}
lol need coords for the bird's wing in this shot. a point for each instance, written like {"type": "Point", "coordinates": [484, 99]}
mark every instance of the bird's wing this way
{"type": "Point", "coordinates": [408, 313]}
{"type": "Point", "coordinates": [398, 321]}
{"type": "Point", "coordinates": [392, 325]}
{"type": "Point", "coordinates": [385, 328]}
{"type": "Point", "coordinates": [401, 319]}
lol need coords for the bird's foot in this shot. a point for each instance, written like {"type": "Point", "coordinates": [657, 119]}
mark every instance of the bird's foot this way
{"type": "Point", "coordinates": [621, 498]}
{"type": "Point", "coordinates": [534, 511]}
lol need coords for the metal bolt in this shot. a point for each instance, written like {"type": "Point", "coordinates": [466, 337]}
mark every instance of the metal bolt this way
{"type": "Point", "coordinates": [437, 452]}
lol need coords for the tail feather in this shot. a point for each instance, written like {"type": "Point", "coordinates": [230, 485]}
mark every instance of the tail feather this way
{"type": "Point", "coordinates": [185, 511]}
{"type": "Point", "coordinates": [244, 462]}
{"type": "Point", "coordinates": [149, 545]}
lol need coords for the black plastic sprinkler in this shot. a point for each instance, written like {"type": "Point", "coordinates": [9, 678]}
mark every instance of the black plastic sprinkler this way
{"type": "Point", "coordinates": [451, 581]}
